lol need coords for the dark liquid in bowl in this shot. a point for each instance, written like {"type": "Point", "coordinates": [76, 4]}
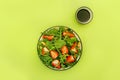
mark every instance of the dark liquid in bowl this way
{"type": "Point", "coordinates": [83, 15]}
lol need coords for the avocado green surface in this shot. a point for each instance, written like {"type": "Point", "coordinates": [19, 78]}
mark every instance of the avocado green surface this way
{"type": "Point", "coordinates": [21, 24]}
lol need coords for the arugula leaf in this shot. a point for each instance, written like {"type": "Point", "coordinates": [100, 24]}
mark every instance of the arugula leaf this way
{"type": "Point", "coordinates": [61, 29]}
{"type": "Point", "coordinates": [62, 58]}
{"type": "Point", "coordinates": [46, 60]}
{"type": "Point", "coordinates": [70, 41]}
{"type": "Point", "coordinates": [50, 45]}
{"type": "Point", "coordinates": [63, 65]}
{"type": "Point", "coordinates": [52, 31]}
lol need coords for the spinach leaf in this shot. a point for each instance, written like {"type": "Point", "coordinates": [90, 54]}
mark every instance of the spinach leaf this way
{"type": "Point", "coordinates": [59, 43]}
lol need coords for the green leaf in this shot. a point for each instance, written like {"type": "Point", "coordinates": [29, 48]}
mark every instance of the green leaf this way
{"type": "Point", "coordinates": [63, 66]}
{"type": "Point", "coordinates": [70, 41]}
{"type": "Point", "coordinates": [63, 58]}
{"type": "Point", "coordinates": [46, 60]}
{"type": "Point", "coordinates": [52, 31]}
{"type": "Point", "coordinates": [60, 43]}
{"type": "Point", "coordinates": [50, 45]}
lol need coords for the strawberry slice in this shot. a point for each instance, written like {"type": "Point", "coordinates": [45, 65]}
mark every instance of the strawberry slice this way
{"type": "Point", "coordinates": [64, 50]}
{"type": "Point", "coordinates": [73, 48]}
{"type": "Point", "coordinates": [70, 59]}
{"type": "Point", "coordinates": [48, 37]}
{"type": "Point", "coordinates": [56, 64]}
{"type": "Point", "coordinates": [66, 33]}
{"type": "Point", "coordinates": [58, 67]}
{"type": "Point", "coordinates": [44, 50]}
{"type": "Point", "coordinates": [54, 54]}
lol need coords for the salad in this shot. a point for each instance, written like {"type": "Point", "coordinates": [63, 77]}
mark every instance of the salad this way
{"type": "Point", "coordinates": [59, 48]}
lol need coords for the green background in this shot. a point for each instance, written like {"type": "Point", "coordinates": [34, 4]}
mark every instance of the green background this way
{"type": "Point", "coordinates": [21, 24]}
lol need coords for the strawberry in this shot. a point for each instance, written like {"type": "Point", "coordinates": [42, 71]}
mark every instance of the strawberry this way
{"type": "Point", "coordinates": [56, 64]}
{"type": "Point", "coordinates": [64, 50]}
{"type": "Point", "coordinates": [48, 37]}
{"type": "Point", "coordinates": [73, 47]}
{"type": "Point", "coordinates": [44, 50]}
{"type": "Point", "coordinates": [66, 33]}
{"type": "Point", "coordinates": [58, 67]}
{"type": "Point", "coordinates": [53, 54]}
{"type": "Point", "coordinates": [70, 59]}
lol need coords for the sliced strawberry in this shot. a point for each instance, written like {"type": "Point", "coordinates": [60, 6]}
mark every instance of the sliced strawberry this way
{"type": "Point", "coordinates": [48, 37]}
{"type": "Point", "coordinates": [58, 67]}
{"type": "Point", "coordinates": [44, 50]}
{"type": "Point", "coordinates": [64, 50]}
{"type": "Point", "coordinates": [73, 48]}
{"type": "Point", "coordinates": [54, 54]}
{"type": "Point", "coordinates": [56, 64]}
{"type": "Point", "coordinates": [74, 44]}
{"type": "Point", "coordinates": [70, 59]}
{"type": "Point", "coordinates": [66, 33]}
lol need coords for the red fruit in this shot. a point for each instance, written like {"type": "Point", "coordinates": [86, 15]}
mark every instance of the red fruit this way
{"type": "Point", "coordinates": [56, 64]}
{"type": "Point", "coordinates": [44, 50]}
{"type": "Point", "coordinates": [66, 33]}
{"type": "Point", "coordinates": [54, 54]}
{"type": "Point", "coordinates": [73, 48]}
{"type": "Point", "coordinates": [64, 50]}
{"type": "Point", "coordinates": [70, 59]}
{"type": "Point", "coordinates": [48, 37]}
{"type": "Point", "coordinates": [75, 44]}
{"type": "Point", "coordinates": [58, 67]}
